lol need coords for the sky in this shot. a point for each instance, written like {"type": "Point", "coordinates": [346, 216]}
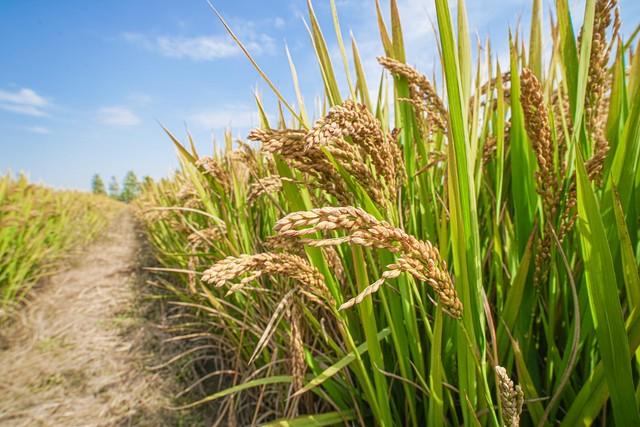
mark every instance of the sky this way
{"type": "Point", "coordinates": [86, 85]}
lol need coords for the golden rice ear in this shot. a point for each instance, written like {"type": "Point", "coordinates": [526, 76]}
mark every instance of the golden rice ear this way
{"type": "Point", "coordinates": [214, 168]}
{"type": "Point", "coordinates": [268, 263]}
{"type": "Point", "coordinates": [598, 83]}
{"type": "Point", "coordinates": [423, 95]}
{"type": "Point", "coordinates": [418, 258]}
{"type": "Point", "coordinates": [290, 144]}
{"type": "Point", "coordinates": [511, 398]}
{"type": "Point", "coordinates": [354, 121]}
{"type": "Point", "coordinates": [367, 143]}
{"type": "Point", "coordinates": [539, 132]}
{"type": "Point", "coordinates": [354, 139]}
{"type": "Point", "coordinates": [267, 185]}
{"type": "Point", "coordinates": [537, 126]}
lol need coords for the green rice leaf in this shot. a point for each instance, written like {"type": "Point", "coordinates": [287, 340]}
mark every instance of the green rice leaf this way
{"type": "Point", "coordinates": [340, 364]}
{"type": "Point", "coordinates": [604, 303]}
{"type": "Point", "coordinates": [278, 379]}
{"type": "Point", "coordinates": [317, 420]}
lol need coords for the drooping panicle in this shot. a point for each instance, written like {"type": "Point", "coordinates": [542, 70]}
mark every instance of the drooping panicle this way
{"type": "Point", "coordinates": [290, 144]}
{"type": "Point", "coordinates": [539, 132]}
{"type": "Point", "coordinates": [213, 168]}
{"type": "Point", "coordinates": [423, 95]}
{"type": "Point", "coordinates": [598, 83]}
{"type": "Point", "coordinates": [417, 257]}
{"type": "Point", "coordinates": [267, 185]}
{"type": "Point", "coordinates": [268, 263]}
{"type": "Point", "coordinates": [354, 121]}
{"type": "Point", "coordinates": [511, 398]}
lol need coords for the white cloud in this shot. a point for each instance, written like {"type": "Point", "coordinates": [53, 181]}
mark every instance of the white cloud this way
{"type": "Point", "coordinates": [38, 129]}
{"type": "Point", "coordinates": [279, 22]}
{"type": "Point", "coordinates": [118, 116]}
{"type": "Point", "coordinates": [415, 17]}
{"type": "Point", "coordinates": [202, 48]}
{"type": "Point", "coordinates": [232, 116]}
{"type": "Point", "coordinates": [24, 101]}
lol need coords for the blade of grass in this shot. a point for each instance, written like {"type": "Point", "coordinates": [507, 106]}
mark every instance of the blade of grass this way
{"type": "Point", "coordinates": [324, 60]}
{"type": "Point", "coordinates": [464, 225]}
{"type": "Point", "coordinates": [343, 52]}
{"type": "Point", "coordinates": [604, 304]}
{"type": "Point", "coordinates": [317, 420]}
{"type": "Point", "coordinates": [361, 82]}
{"type": "Point", "coordinates": [340, 364]}
{"type": "Point", "coordinates": [535, 40]}
{"type": "Point", "coordinates": [255, 64]}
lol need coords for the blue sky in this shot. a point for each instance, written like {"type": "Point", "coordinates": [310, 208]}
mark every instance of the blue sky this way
{"type": "Point", "coordinates": [84, 84]}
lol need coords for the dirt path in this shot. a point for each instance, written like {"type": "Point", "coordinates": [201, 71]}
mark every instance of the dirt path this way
{"type": "Point", "coordinates": [75, 355]}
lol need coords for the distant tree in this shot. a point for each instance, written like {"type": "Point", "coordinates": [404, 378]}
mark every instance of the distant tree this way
{"type": "Point", "coordinates": [114, 188]}
{"type": "Point", "coordinates": [130, 187]}
{"type": "Point", "coordinates": [97, 185]}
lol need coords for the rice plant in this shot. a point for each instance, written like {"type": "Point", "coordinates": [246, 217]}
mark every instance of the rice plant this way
{"type": "Point", "coordinates": [38, 229]}
{"type": "Point", "coordinates": [430, 257]}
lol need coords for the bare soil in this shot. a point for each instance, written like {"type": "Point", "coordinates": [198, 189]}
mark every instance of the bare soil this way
{"type": "Point", "coordinates": [77, 354]}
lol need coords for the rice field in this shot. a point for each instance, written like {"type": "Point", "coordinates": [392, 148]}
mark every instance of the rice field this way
{"type": "Point", "coordinates": [40, 228]}
{"type": "Point", "coordinates": [457, 250]}
{"type": "Point", "coordinates": [457, 246]}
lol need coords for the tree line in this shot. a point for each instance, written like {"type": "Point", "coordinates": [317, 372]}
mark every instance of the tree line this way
{"type": "Point", "coordinates": [130, 187]}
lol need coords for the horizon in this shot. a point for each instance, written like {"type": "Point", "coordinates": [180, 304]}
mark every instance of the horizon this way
{"type": "Point", "coordinates": [90, 84]}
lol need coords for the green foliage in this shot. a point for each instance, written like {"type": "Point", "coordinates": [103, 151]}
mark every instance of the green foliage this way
{"type": "Point", "coordinates": [493, 178]}
{"type": "Point", "coordinates": [130, 187]}
{"type": "Point", "coordinates": [97, 185]}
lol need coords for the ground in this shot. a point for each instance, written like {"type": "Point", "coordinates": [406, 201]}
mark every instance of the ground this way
{"type": "Point", "coordinates": [76, 354]}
